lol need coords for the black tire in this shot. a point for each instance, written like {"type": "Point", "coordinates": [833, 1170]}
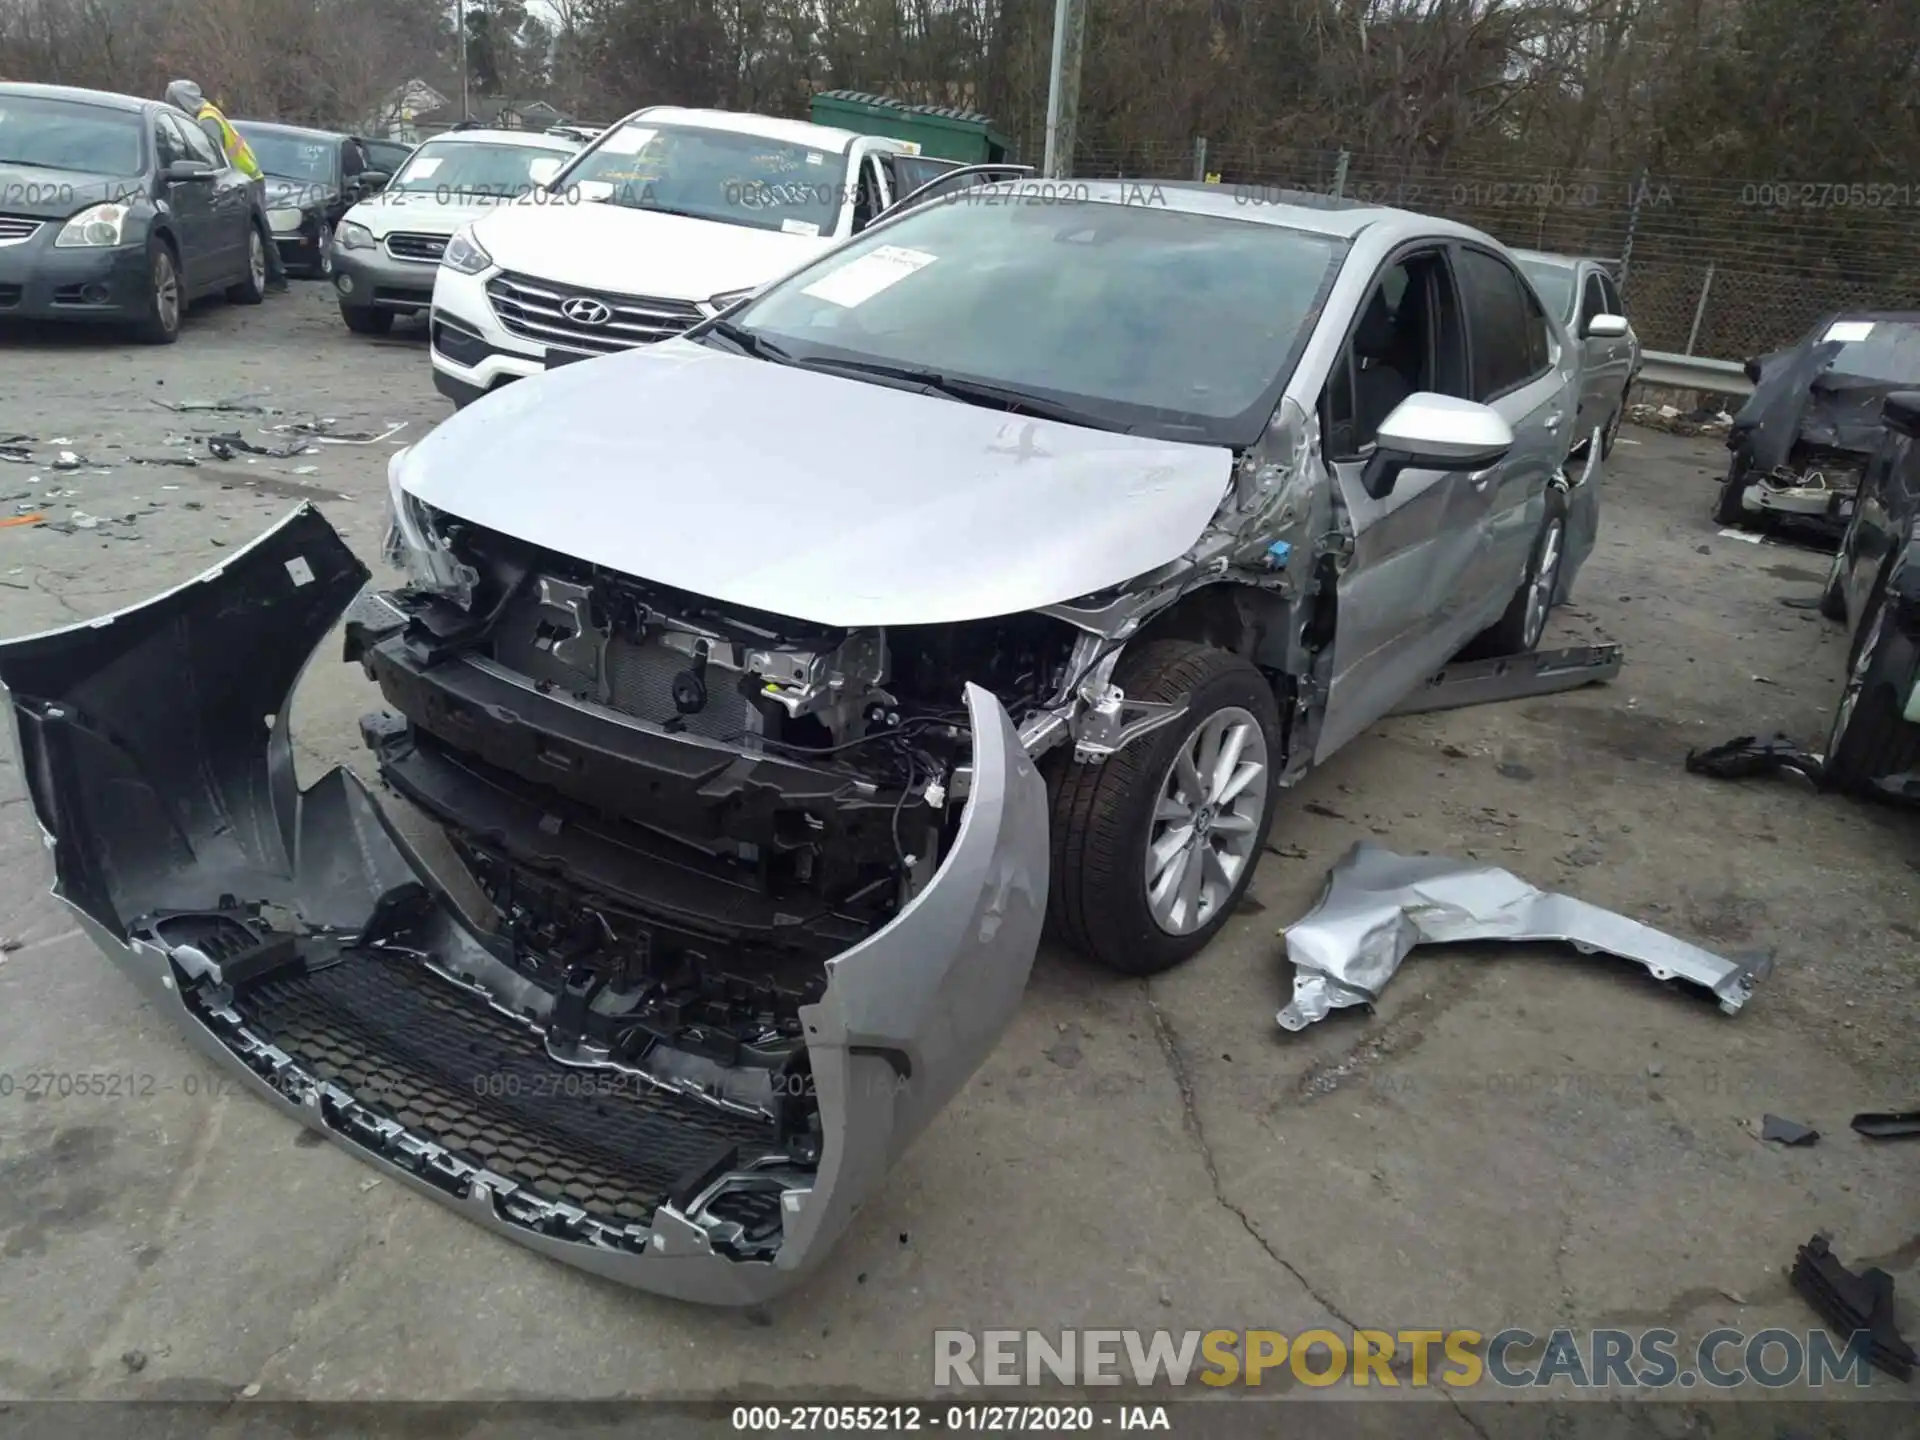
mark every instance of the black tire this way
{"type": "Point", "coordinates": [365, 320]}
{"type": "Point", "coordinates": [323, 245]}
{"type": "Point", "coordinates": [253, 288]}
{"type": "Point", "coordinates": [1611, 435]}
{"type": "Point", "coordinates": [1729, 508]}
{"type": "Point", "coordinates": [161, 326]}
{"type": "Point", "coordinates": [1518, 630]}
{"type": "Point", "coordinates": [1103, 815]}
{"type": "Point", "coordinates": [1869, 737]}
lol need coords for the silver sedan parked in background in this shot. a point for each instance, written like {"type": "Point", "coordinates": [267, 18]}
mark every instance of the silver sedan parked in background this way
{"type": "Point", "coordinates": [1584, 297]}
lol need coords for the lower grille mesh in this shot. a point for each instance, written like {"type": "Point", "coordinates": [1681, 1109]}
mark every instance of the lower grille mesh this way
{"type": "Point", "coordinates": [447, 1066]}
{"type": "Point", "coordinates": [640, 683]}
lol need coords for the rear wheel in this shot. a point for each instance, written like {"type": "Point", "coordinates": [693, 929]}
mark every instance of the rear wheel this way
{"type": "Point", "coordinates": [323, 267]}
{"type": "Point", "coordinates": [1612, 432]}
{"type": "Point", "coordinates": [364, 320]}
{"type": "Point", "coordinates": [166, 296]}
{"type": "Point", "coordinates": [1153, 849]}
{"type": "Point", "coordinates": [253, 289]}
{"type": "Point", "coordinates": [1525, 621]}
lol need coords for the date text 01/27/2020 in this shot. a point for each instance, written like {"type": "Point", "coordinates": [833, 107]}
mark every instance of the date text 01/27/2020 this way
{"type": "Point", "coordinates": [970, 1418]}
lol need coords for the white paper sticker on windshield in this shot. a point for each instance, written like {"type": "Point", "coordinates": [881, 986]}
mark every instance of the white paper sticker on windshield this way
{"type": "Point", "coordinates": [799, 227]}
{"type": "Point", "coordinates": [630, 140]}
{"type": "Point", "coordinates": [422, 168]}
{"type": "Point", "coordinates": [1847, 332]}
{"type": "Point", "coordinates": [814, 157]}
{"type": "Point", "coordinates": [862, 279]}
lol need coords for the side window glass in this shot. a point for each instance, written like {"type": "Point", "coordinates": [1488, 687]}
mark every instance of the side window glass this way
{"type": "Point", "coordinates": [1500, 324]}
{"type": "Point", "coordinates": [197, 145]}
{"type": "Point", "coordinates": [166, 142]}
{"type": "Point", "coordinates": [1615, 305]}
{"type": "Point", "coordinates": [1593, 301]}
{"type": "Point", "coordinates": [1539, 340]}
{"type": "Point", "coordinates": [1406, 339]}
{"type": "Point", "coordinates": [870, 200]}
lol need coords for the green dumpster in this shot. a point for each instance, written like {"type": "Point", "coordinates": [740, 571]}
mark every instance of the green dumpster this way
{"type": "Point", "coordinates": [938, 130]}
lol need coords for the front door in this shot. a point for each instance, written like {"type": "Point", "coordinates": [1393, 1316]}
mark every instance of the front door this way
{"type": "Point", "coordinates": [190, 202]}
{"type": "Point", "coordinates": [1518, 370]}
{"type": "Point", "coordinates": [229, 199]}
{"type": "Point", "coordinates": [1400, 611]}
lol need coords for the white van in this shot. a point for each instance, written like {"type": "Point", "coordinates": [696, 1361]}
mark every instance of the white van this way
{"type": "Point", "coordinates": [664, 220]}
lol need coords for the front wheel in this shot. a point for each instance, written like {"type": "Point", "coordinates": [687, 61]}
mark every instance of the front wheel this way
{"type": "Point", "coordinates": [1611, 434]}
{"type": "Point", "coordinates": [1870, 738]}
{"type": "Point", "coordinates": [323, 267]}
{"type": "Point", "coordinates": [1153, 849]}
{"type": "Point", "coordinates": [166, 297]}
{"type": "Point", "coordinates": [364, 320]}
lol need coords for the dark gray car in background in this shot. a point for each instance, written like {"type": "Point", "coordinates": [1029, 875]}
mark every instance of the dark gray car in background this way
{"type": "Point", "coordinates": [118, 209]}
{"type": "Point", "coordinates": [313, 178]}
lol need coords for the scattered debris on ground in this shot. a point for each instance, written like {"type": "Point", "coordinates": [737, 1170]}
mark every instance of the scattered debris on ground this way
{"type": "Point", "coordinates": [1746, 756]}
{"type": "Point", "coordinates": [1888, 1125]}
{"type": "Point", "coordinates": [225, 447]}
{"type": "Point", "coordinates": [1851, 1303]}
{"type": "Point", "coordinates": [1674, 421]}
{"type": "Point", "coordinates": [1377, 906]}
{"type": "Point", "coordinates": [1787, 1132]}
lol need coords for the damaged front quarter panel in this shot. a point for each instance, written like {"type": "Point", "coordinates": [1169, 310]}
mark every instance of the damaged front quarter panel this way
{"type": "Point", "coordinates": [296, 939]}
{"type": "Point", "coordinates": [1378, 906]}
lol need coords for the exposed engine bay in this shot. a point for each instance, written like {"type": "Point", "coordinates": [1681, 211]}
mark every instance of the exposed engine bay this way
{"type": "Point", "coordinates": [680, 813]}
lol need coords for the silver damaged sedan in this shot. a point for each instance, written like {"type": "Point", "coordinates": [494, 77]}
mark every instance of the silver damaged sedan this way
{"type": "Point", "coordinates": [775, 686]}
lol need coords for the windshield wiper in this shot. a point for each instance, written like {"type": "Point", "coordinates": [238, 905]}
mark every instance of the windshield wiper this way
{"type": "Point", "coordinates": [973, 392]}
{"type": "Point", "coordinates": [750, 341]}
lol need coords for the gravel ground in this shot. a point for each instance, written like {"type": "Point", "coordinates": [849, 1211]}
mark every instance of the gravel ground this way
{"type": "Point", "coordinates": [1516, 1136]}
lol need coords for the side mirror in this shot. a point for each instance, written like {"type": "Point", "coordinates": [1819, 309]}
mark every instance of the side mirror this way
{"type": "Point", "coordinates": [185, 170]}
{"type": "Point", "coordinates": [1434, 432]}
{"type": "Point", "coordinates": [544, 169]}
{"type": "Point", "coordinates": [1901, 412]}
{"type": "Point", "coordinates": [1751, 369]}
{"type": "Point", "coordinates": [1606, 327]}
{"type": "Point", "coordinates": [371, 182]}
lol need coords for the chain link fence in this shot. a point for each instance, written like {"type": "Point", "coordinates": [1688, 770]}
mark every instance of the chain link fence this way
{"type": "Point", "coordinates": [1710, 266]}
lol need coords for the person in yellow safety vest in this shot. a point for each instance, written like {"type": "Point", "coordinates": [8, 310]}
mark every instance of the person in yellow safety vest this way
{"type": "Point", "coordinates": [185, 95]}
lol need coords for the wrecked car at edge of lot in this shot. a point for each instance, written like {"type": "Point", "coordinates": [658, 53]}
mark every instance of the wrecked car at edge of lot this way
{"type": "Point", "coordinates": [1873, 587]}
{"type": "Point", "coordinates": [1804, 435]}
{"type": "Point", "coordinates": [771, 686]}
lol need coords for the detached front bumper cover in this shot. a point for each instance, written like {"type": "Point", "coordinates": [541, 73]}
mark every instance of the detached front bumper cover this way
{"type": "Point", "coordinates": [1378, 905]}
{"type": "Point", "coordinates": [259, 916]}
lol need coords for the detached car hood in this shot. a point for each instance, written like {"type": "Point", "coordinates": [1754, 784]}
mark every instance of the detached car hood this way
{"type": "Point", "coordinates": [57, 194]}
{"type": "Point", "coordinates": [637, 252]}
{"type": "Point", "coordinates": [811, 495]}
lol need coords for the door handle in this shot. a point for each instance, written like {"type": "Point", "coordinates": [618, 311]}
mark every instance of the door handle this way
{"type": "Point", "coordinates": [1480, 479]}
{"type": "Point", "coordinates": [1553, 420]}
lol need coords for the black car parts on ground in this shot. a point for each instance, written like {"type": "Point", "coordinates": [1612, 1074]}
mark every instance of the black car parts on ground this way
{"type": "Point", "coordinates": [118, 209]}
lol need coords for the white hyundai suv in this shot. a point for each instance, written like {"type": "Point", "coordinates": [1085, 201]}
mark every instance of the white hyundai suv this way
{"type": "Point", "coordinates": [665, 219]}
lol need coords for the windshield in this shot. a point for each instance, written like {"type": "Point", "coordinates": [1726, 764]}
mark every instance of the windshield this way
{"type": "Point", "coordinates": [69, 135]}
{"type": "Point", "coordinates": [457, 170]}
{"type": "Point", "coordinates": [1135, 316]}
{"type": "Point", "coordinates": [717, 175]}
{"type": "Point", "coordinates": [1884, 350]}
{"type": "Point", "coordinates": [293, 157]}
{"type": "Point", "coordinates": [1555, 284]}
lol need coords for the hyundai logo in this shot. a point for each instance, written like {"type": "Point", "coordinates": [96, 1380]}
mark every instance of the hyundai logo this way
{"type": "Point", "coordinates": [583, 310]}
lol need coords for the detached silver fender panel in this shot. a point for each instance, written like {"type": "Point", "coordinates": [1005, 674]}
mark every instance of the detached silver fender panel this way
{"type": "Point", "coordinates": [158, 762]}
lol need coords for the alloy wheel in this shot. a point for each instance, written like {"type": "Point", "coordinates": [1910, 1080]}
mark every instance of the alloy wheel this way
{"type": "Point", "coordinates": [1856, 681]}
{"type": "Point", "coordinates": [1545, 579]}
{"type": "Point", "coordinates": [1206, 819]}
{"type": "Point", "coordinates": [166, 291]}
{"type": "Point", "coordinates": [325, 241]}
{"type": "Point", "coordinates": [256, 260]}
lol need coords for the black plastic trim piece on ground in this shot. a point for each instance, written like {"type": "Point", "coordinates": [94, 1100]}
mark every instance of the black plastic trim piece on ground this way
{"type": "Point", "coordinates": [1853, 1303]}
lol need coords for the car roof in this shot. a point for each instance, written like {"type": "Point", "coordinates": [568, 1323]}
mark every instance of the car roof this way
{"type": "Point", "coordinates": [528, 139]}
{"type": "Point", "coordinates": [1307, 210]}
{"type": "Point", "coordinates": [1554, 257]}
{"type": "Point", "coordinates": [794, 132]}
{"type": "Point", "coordinates": [105, 99]}
{"type": "Point", "coordinates": [304, 132]}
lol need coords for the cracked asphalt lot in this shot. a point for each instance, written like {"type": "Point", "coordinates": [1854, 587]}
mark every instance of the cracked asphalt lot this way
{"type": "Point", "coordinates": [1517, 1137]}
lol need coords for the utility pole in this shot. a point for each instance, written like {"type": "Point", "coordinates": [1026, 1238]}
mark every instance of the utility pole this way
{"type": "Point", "coordinates": [460, 10]}
{"type": "Point", "coordinates": [1063, 86]}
